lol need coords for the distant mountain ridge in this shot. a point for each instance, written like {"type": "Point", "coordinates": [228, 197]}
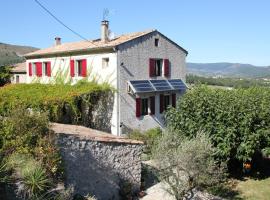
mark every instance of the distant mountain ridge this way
{"type": "Point", "coordinates": [228, 70]}
{"type": "Point", "coordinates": [12, 54]}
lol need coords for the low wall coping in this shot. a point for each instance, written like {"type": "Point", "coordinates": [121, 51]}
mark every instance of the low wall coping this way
{"type": "Point", "coordinates": [90, 134]}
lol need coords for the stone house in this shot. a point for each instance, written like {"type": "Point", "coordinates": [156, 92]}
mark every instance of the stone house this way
{"type": "Point", "coordinates": [147, 69]}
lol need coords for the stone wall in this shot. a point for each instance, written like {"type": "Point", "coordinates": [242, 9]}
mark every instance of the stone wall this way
{"type": "Point", "coordinates": [99, 164]}
{"type": "Point", "coordinates": [133, 64]}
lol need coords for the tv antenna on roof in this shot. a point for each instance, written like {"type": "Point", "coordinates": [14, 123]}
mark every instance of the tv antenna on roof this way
{"type": "Point", "coordinates": [105, 13]}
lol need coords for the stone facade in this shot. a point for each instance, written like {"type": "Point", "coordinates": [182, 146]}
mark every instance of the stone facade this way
{"type": "Point", "coordinates": [133, 64]}
{"type": "Point", "coordinates": [99, 164]}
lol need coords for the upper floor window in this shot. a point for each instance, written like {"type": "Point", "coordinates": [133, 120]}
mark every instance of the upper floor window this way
{"type": "Point", "coordinates": [156, 42]}
{"type": "Point", "coordinates": [34, 69]}
{"type": "Point", "coordinates": [105, 62]}
{"type": "Point", "coordinates": [78, 68]}
{"type": "Point", "coordinates": [46, 69]}
{"type": "Point", "coordinates": [158, 67]}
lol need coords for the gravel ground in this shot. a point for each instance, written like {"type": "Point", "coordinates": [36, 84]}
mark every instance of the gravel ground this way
{"type": "Point", "coordinates": [157, 192]}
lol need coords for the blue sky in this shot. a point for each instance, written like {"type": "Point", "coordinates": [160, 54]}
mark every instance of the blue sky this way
{"type": "Point", "coordinates": [211, 30]}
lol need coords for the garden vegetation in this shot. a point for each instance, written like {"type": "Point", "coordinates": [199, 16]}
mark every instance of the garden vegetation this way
{"type": "Point", "coordinates": [30, 163]}
{"type": "Point", "coordinates": [237, 121]}
{"type": "Point", "coordinates": [57, 100]}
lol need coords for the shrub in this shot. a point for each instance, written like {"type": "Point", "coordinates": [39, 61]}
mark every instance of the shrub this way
{"type": "Point", "coordinates": [186, 163]}
{"type": "Point", "coordinates": [30, 177]}
{"type": "Point", "coordinates": [56, 100]}
{"type": "Point", "coordinates": [26, 131]}
{"type": "Point", "coordinates": [149, 137]}
{"type": "Point", "coordinates": [4, 75]}
{"type": "Point", "coordinates": [238, 120]}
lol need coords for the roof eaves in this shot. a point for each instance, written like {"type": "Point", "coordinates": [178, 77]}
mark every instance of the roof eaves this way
{"type": "Point", "coordinates": [186, 52]}
{"type": "Point", "coordinates": [78, 51]}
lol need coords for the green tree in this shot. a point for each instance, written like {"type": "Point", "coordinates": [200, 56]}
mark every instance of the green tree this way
{"type": "Point", "coordinates": [4, 75]}
{"type": "Point", "coordinates": [186, 163]}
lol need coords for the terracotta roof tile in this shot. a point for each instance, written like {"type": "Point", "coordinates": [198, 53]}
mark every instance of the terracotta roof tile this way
{"type": "Point", "coordinates": [87, 45]}
{"type": "Point", "coordinates": [20, 67]}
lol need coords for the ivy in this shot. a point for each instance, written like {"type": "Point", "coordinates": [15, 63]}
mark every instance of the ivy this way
{"type": "Point", "coordinates": [56, 99]}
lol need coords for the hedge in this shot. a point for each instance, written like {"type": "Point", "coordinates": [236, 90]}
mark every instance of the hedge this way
{"type": "Point", "coordinates": [237, 120]}
{"type": "Point", "coordinates": [55, 99]}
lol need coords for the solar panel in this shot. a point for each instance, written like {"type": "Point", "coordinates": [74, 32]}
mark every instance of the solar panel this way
{"type": "Point", "coordinates": [142, 86]}
{"type": "Point", "coordinates": [161, 85]}
{"type": "Point", "coordinates": [177, 84]}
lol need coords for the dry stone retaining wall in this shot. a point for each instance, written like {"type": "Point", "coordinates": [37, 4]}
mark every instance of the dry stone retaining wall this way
{"type": "Point", "coordinates": [99, 164]}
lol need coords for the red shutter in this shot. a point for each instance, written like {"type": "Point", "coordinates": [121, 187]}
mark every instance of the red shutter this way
{"type": "Point", "coordinates": [138, 107]}
{"type": "Point", "coordinates": [151, 67]}
{"type": "Point", "coordinates": [30, 69]}
{"type": "Point", "coordinates": [48, 66]}
{"type": "Point", "coordinates": [84, 68]}
{"type": "Point", "coordinates": [161, 103]}
{"type": "Point", "coordinates": [72, 69]}
{"type": "Point", "coordinates": [152, 105]}
{"type": "Point", "coordinates": [166, 67]}
{"type": "Point", "coordinates": [173, 100]}
{"type": "Point", "coordinates": [39, 69]}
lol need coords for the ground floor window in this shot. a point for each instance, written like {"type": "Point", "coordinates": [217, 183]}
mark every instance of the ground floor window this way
{"type": "Point", "coordinates": [166, 101]}
{"type": "Point", "coordinates": [144, 104]}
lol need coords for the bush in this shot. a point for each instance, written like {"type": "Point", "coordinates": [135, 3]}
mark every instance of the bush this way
{"type": "Point", "coordinates": [186, 163]}
{"type": "Point", "coordinates": [57, 100]}
{"type": "Point", "coordinates": [149, 138]}
{"type": "Point", "coordinates": [238, 120]}
{"type": "Point", "coordinates": [29, 175]}
{"type": "Point", "coordinates": [27, 132]}
{"type": "Point", "coordinates": [4, 75]}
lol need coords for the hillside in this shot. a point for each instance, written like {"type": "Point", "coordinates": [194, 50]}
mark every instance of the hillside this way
{"type": "Point", "coordinates": [228, 70]}
{"type": "Point", "coordinates": [11, 54]}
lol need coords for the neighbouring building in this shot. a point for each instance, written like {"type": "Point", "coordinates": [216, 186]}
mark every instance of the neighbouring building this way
{"type": "Point", "coordinates": [18, 73]}
{"type": "Point", "coordinates": [147, 69]}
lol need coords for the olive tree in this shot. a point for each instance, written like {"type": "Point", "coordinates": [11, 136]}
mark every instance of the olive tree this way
{"type": "Point", "coordinates": [185, 164]}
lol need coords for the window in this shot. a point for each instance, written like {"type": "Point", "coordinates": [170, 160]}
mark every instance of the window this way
{"type": "Point", "coordinates": [158, 67]}
{"type": "Point", "coordinates": [105, 62]}
{"type": "Point", "coordinates": [156, 42]}
{"type": "Point", "coordinates": [78, 68]}
{"type": "Point", "coordinates": [34, 69]}
{"type": "Point", "coordinates": [44, 69]}
{"type": "Point", "coordinates": [144, 110]}
{"type": "Point", "coordinates": [166, 101]}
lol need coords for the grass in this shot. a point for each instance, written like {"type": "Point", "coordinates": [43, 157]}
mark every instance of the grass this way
{"type": "Point", "coordinates": [251, 189]}
{"type": "Point", "coordinates": [246, 189]}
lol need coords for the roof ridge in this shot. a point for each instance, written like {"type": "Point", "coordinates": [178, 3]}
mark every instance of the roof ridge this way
{"type": "Point", "coordinates": [89, 44]}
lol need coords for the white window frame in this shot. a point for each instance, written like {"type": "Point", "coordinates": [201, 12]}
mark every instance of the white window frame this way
{"type": "Point", "coordinates": [34, 69]}
{"type": "Point", "coordinates": [76, 71]}
{"type": "Point", "coordinates": [44, 69]}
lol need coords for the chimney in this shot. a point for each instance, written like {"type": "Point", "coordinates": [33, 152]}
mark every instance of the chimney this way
{"type": "Point", "coordinates": [57, 41]}
{"type": "Point", "coordinates": [105, 31]}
